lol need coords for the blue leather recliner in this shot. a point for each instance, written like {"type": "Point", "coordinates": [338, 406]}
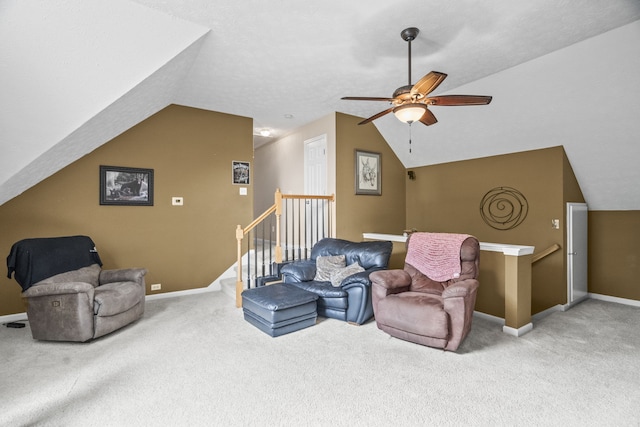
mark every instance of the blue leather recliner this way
{"type": "Point", "coordinates": [347, 299]}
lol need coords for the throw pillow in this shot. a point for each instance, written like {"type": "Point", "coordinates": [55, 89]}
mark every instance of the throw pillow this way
{"type": "Point", "coordinates": [339, 275]}
{"type": "Point", "coordinates": [326, 265]}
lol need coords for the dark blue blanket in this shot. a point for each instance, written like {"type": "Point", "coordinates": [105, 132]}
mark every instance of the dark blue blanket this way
{"type": "Point", "coordinates": [33, 260]}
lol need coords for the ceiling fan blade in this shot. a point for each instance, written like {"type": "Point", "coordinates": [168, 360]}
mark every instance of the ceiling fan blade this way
{"type": "Point", "coordinates": [428, 118]}
{"type": "Point", "coordinates": [428, 83]}
{"type": "Point", "coordinates": [459, 100]}
{"type": "Point", "coordinates": [376, 116]}
{"type": "Point", "coordinates": [366, 98]}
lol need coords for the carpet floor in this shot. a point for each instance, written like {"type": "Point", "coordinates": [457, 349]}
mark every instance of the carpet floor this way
{"type": "Point", "coordinates": [194, 361]}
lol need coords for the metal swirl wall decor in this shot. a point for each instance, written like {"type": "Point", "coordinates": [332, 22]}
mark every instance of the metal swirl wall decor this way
{"type": "Point", "coordinates": [504, 208]}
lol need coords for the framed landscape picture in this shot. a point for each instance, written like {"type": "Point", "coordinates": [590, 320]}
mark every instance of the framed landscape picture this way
{"type": "Point", "coordinates": [121, 185]}
{"type": "Point", "coordinates": [368, 173]}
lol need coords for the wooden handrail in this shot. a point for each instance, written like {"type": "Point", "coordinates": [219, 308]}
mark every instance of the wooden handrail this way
{"type": "Point", "coordinates": [551, 249]}
{"type": "Point", "coordinates": [304, 196]}
{"type": "Point", "coordinates": [258, 220]}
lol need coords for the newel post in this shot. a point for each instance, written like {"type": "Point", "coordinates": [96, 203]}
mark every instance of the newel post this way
{"type": "Point", "coordinates": [239, 284]}
{"type": "Point", "coordinates": [278, 203]}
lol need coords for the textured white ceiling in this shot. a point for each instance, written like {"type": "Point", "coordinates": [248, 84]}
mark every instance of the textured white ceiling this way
{"type": "Point", "coordinates": [71, 67]}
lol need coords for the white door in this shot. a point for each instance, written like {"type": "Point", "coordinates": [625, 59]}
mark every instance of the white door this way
{"type": "Point", "coordinates": [315, 184]}
{"type": "Point", "coordinates": [577, 251]}
{"type": "Point", "coordinates": [315, 166]}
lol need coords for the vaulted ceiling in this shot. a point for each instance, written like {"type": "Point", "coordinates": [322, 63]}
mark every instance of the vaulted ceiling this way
{"type": "Point", "coordinates": [75, 74]}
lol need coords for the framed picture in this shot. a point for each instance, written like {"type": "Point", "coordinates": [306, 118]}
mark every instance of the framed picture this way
{"type": "Point", "coordinates": [120, 185]}
{"type": "Point", "coordinates": [241, 172]}
{"type": "Point", "coordinates": [368, 169]}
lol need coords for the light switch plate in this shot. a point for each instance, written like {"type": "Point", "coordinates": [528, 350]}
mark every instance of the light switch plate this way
{"type": "Point", "coordinates": [243, 191]}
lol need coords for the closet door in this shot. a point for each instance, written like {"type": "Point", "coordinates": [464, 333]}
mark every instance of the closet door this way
{"type": "Point", "coordinates": [577, 252]}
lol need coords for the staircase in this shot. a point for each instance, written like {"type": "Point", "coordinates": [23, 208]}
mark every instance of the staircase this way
{"type": "Point", "coordinates": [283, 233]}
{"type": "Point", "coordinates": [228, 279]}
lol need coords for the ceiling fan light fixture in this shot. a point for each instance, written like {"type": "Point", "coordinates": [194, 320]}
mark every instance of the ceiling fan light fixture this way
{"type": "Point", "coordinates": [265, 132]}
{"type": "Point", "coordinates": [409, 113]}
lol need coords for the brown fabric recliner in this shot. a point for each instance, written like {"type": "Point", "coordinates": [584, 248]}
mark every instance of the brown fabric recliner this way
{"type": "Point", "coordinates": [69, 297]}
{"type": "Point", "coordinates": [409, 305]}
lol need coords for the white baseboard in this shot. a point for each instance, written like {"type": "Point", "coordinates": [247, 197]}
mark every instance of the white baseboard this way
{"type": "Point", "coordinates": [544, 313]}
{"type": "Point", "coordinates": [625, 301]}
{"type": "Point", "coordinates": [181, 293]}
{"type": "Point", "coordinates": [18, 317]}
{"type": "Point", "coordinates": [489, 317]}
{"type": "Point", "coordinates": [517, 332]}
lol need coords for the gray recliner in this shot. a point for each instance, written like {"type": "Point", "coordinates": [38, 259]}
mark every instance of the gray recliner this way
{"type": "Point", "coordinates": [69, 297]}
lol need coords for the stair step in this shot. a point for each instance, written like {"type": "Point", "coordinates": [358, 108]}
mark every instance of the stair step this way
{"type": "Point", "coordinates": [228, 286]}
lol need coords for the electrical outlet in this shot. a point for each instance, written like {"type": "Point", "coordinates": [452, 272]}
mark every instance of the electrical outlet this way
{"type": "Point", "coordinates": [177, 201]}
{"type": "Point", "coordinates": [156, 287]}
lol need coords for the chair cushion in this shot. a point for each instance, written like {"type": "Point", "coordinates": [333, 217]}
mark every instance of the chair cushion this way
{"type": "Point", "coordinates": [327, 265]}
{"type": "Point", "coordinates": [322, 289]}
{"type": "Point", "coordinates": [421, 283]}
{"type": "Point", "coordinates": [414, 312]}
{"type": "Point", "coordinates": [116, 297]}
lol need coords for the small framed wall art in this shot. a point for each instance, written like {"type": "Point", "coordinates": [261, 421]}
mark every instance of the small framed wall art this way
{"type": "Point", "coordinates": [240, 172]}
{"type": "Point", "coordinates": [121, 185]}
{"type": "Point", "coordinates": [368, 173]}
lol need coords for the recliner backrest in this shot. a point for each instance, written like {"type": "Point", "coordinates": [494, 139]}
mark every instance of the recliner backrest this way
{"type": "Point", "coordinates": [373, 254]}
{"type": "Point", "coordinates": [469, 269]}
{"type": "Point", "coordinates": [90, 274]}
{"type": "Point", "coordinates": [33, 260]}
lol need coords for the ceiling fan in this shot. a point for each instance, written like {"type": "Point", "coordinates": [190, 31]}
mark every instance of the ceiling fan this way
{"type": "Point", "coordinates": [410, 103]}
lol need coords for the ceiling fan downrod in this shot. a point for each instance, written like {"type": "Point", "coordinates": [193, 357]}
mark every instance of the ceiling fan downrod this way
{"type": "Point", "coordinates": [408, 35]}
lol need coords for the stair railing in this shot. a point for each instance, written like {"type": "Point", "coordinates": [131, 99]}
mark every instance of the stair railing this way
{"type": "Point", "coordinates": [543, 254]}
{"type": "Point", "coordinates": [283, 233]}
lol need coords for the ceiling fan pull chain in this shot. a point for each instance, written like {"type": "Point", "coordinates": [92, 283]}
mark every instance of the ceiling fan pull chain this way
{"type": "Point", "coordinates": [409, 137]}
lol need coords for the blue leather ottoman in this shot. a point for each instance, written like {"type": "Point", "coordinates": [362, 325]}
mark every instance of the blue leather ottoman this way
{"type": "Point", "coordinates": [279, 308]}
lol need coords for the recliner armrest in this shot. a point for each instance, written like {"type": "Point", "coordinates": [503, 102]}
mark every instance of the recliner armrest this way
{"type": "Point", "coordinates": [123, 275]}
{"type": "Point", "coordinates": [392, 280]}
{"type": "Point", "coordinates": [46, 289]}
{"type": "Point", "coordinates": [361, 278]}
{"type": "Point", "coordinates": [299, 271]}
{"type": "Point", "coordinates": [458, 301]}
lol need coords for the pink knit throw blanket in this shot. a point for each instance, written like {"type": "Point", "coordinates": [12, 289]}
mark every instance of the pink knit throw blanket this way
{"type": "Point", "coordinates": [436, 255]}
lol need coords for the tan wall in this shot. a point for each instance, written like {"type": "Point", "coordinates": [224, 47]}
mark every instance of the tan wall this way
{"type": "Point", "coordinates": [183, 247]}
{"type": "Point", "coordinates": [446, 198]}
{"type": "Point", "coordinates": [357, 214]}
{"type": "Point", "coordinates": [614, 253]}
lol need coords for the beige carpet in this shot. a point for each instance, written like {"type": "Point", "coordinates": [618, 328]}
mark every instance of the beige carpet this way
{"type": "Point", "coordinates": [194, 361]}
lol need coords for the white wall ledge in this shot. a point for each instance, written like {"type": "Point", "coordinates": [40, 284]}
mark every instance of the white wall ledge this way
{"type": "Point", "coordinates": [506, 249]}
